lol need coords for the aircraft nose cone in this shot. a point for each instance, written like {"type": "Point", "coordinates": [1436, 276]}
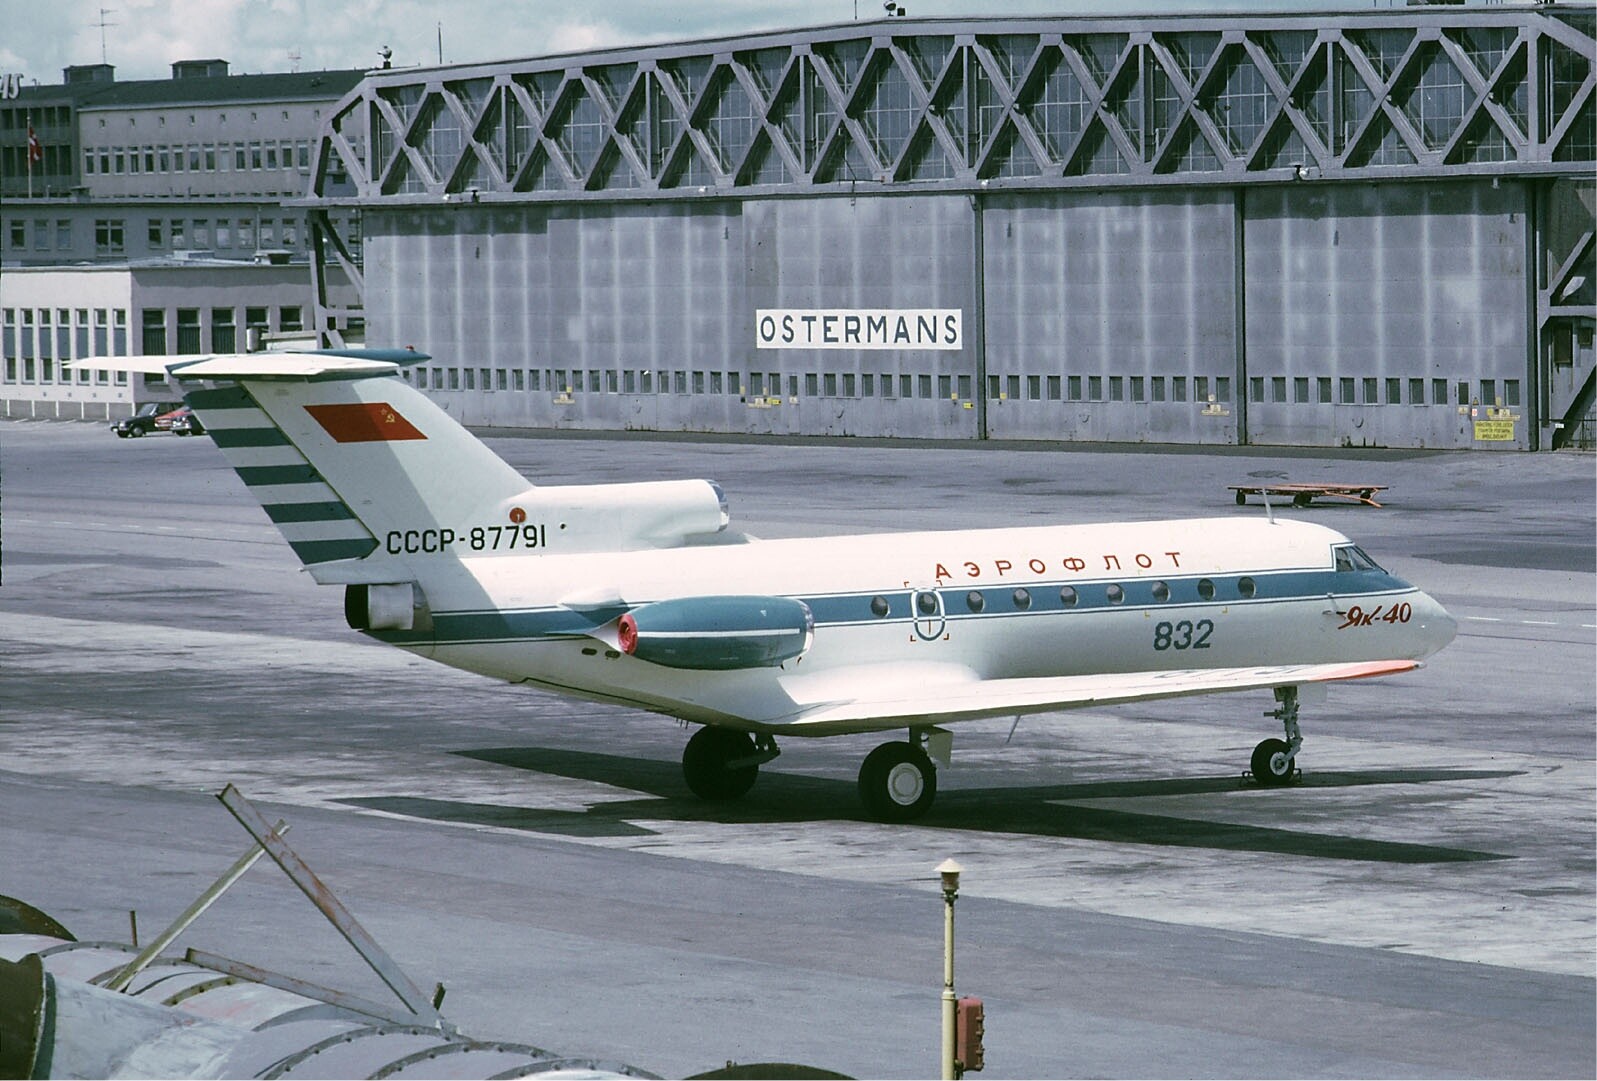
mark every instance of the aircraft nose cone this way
{"type": "Point", "coordinates": [1437, 626]}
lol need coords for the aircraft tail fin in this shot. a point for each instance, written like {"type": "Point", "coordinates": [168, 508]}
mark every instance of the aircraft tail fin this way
{"type": "Point", "coordinates": [347, 465]}
{"type": "Point", "coordinates": [361, 471]}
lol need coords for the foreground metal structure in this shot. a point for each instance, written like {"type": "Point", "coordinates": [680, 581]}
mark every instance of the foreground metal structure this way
{"type": "Point", "coordinates": [107, 1009]}
{"type": "Point", "coordinates": [1350, 227]}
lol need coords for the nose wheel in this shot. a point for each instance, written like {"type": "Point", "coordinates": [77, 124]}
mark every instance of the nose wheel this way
{"type": "Point", "coordinates": [1274, 761]}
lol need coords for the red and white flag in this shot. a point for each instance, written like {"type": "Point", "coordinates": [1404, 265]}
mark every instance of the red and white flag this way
{"type": "Point", "coordinates": [35, 151]}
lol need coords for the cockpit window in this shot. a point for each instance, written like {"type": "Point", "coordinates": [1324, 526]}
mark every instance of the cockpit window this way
{"type": "Point", "coordinates": [1350, 557]}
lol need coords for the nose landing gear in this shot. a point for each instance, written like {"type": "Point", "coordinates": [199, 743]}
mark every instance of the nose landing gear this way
{"type": "Point", "coordinates": [1274, 761]}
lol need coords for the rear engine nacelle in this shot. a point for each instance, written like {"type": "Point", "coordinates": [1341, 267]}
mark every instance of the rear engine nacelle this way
{"type": "Point", "coordinates": [391, 607]}
{"type": "Point", "coordinates": [622, 517]}
{"type": "Point", "coordinates": [718, 633]}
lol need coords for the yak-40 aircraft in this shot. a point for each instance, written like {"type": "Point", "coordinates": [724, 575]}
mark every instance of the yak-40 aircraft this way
{"type": "Point", "coordinates": [639, 594]}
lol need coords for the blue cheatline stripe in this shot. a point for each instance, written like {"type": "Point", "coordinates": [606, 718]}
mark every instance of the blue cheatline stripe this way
{"type": "Point", "coordinates": [308, 512]}
{"type": "Point", "coordinates": [1271, 587]}
{"type": "Point", "coordinates": [278, 474]}
{"type": "Point", "coordinates": [247, 437]}
{"type": "Point", "coordinates": [323, 551]}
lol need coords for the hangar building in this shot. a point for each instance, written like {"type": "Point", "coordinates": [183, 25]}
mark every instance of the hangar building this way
{"type": "Point", "coordinates": [1350, 228]}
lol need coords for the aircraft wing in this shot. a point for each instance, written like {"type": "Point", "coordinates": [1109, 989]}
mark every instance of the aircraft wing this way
{"type": "Point", "coordinates": [346, 364]}
{"type": "Point", "coordinates": [869, 699]}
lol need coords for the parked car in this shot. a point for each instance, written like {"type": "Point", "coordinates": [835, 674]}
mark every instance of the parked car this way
{"type": "Point", "coordinates": [145, 420]}
{"type": "Point", "coordinates": [184, 422]}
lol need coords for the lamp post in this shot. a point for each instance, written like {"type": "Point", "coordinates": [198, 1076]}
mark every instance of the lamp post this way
{"type": "Point", "coordinates": [949, 871]}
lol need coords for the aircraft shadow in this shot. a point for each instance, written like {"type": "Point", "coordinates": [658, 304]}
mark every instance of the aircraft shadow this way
{"type": "Point", "coordinates": [1030, 810]}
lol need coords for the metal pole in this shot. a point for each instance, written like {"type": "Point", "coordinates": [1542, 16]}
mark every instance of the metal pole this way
{"type": "Point", "coordinates": [414, 998]}
{"type": "Point", "coordinates": [949, 870]}
{"type": "Point", "coordinates": [120, 981]}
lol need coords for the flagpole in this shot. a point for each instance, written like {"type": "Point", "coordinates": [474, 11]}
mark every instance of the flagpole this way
{"type": "Point", "coordinates": [29, 153]}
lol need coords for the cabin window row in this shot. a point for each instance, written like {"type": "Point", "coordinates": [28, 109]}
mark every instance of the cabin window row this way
{"type": "Point", "coordinates": [1022, 599]}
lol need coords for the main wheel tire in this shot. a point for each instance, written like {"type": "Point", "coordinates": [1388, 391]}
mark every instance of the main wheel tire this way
{"type": "Point", "coordinates": [1302, 499]}
{"type": "Point", "coordinates": [704, 764]}
{"type": "Point", "coordinates": [1271, 766]}
{"type": "Point", "coordinates": [897, 782]}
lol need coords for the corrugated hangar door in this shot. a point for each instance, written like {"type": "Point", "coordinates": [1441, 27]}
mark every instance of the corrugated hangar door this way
{"type": "Point", "coordinates": [832, 259]}
{"type": "Point", "coordinates": [1387, 315]}
{"type": "Point", "coordinates": [1111, 316]}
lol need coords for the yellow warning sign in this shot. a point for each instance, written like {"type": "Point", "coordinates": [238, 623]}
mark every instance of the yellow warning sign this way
{"type": "Point", "coordinates": [1494, 431]}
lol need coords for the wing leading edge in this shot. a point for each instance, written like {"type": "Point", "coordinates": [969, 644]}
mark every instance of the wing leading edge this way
{"type": "Point", "coordinates": [956, 694]}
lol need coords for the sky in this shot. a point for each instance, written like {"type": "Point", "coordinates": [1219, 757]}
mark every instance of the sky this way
{"type": "Point", "coordinates": [143, 37]}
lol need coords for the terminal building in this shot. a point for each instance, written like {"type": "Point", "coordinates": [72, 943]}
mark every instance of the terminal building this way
{"type": "Point", "coordinates": [152, 216]}
{"type": "Point", "coordinates": [1346, 228]}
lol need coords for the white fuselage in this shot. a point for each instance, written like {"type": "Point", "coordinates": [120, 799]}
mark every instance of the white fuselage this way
{"type": "Point", "coordinates": [998, 604]}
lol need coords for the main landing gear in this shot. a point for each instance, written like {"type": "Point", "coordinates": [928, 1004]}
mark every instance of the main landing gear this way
{"type": "Point", "coordinates": [722, 764]}
{"type": "Point", "coordinates": [1275, 761]}
{"type": "Point", "coordinates": [897, 781]}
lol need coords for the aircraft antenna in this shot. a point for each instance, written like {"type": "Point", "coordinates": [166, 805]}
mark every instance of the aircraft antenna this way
{"type": "Point", "coordinates": [1265, 476]}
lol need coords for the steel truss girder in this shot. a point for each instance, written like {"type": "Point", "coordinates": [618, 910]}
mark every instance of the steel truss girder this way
{"type": "Point", "coordinates": [385, 133]}
{"type": "Point", "coordinates": [398, 151]}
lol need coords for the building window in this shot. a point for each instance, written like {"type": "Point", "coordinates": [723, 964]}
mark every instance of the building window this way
{"type": "Point", "coordinates": [155, 235]}
{"type": "Point", "coordinates": [108, 236]}
{"type": "Point", "coordinates": [256, 319]}
{"type": "Point", "coordinates": [224, 331]}
{"type": "Point", "coordinates": [63, 234]}
{"type": "Point", "coordinates": [188, 331]}
{"type": "Point", "coordinates": [153, 322]}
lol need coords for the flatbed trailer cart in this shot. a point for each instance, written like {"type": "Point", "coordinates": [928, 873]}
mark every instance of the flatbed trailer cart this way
{"type": "Point", "coordinates": [1304, 494]}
